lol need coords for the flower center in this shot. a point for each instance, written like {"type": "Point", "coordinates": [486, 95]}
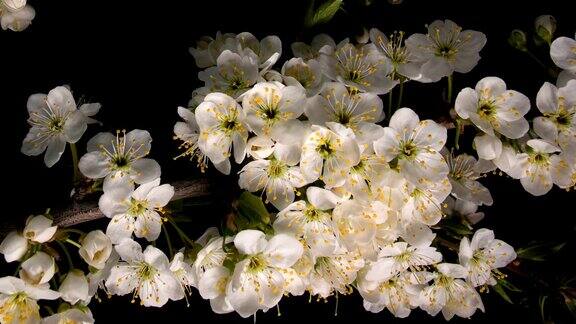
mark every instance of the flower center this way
{"type": "Point", "coordinates": [56, 125]}
{"type": "Point", "coordinates": [325, 148]}
{"type": "Point", "coordinates": [256, 264]}
{"type": "Point", "coordinates": [408, 150]}
{"type": "Point", "coordinates": [486, 110]}
{"type": "Point", "coordinates": [137, 207]}
{"type": "Point", "coordinates": [276, 169]}
{"type": "Point", "coordinates": [146, 271]}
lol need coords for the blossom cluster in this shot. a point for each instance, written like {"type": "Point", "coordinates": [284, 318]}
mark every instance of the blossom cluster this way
{"type": "Point", "coordinates": [357, 199]}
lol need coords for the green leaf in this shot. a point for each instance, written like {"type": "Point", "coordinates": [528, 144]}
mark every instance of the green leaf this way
{"type": "Point", "coordinates": [508, 285]}
{"type": "Point", "coordinates": [542, 304]}
{"type": "Point", "coordinates": [323, 14]}
{"type": "Point", "coordinates": [500, 290]}
{"type": "Point", "coordinates": [539, 251]}
{"type": "Point", "coordinates": [252, 208]}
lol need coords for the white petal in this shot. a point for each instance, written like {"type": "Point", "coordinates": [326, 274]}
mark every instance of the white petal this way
{"type": "Point", "coordinates": [250, 242]}
{"type": "Point", "coordinates": [145, 170]}
{"type": "Point", "coordinates": [488, 147]}
{"type": "Point", "coordinates": [14, 246]}
{"type": "Point", "coordinates": [94, 165]}
{"type": "Point", "coordinates": [148, 225]}
{"type": "Point", "coordinates": [129, 250]}
{"type": "Point", "coordinates": [283, 251]}
{"type": "Point", "coordinates": [466, 101]}
{"type": "Point", "coordinates": [160, 196]}
{"type": "Point", "coordinates": [54, 150]}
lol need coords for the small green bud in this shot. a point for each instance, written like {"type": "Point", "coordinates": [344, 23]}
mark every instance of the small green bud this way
{"type": "Point", "coordinates": [517, 39]}
{"type": "Point", "coordinates": [545, 27]}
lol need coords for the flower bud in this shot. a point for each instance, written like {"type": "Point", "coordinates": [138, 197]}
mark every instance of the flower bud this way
{"type": "Point", "coordinates": [545, 26]}
{"type": "Point", "coordinates": [96, 249]}
{"type": "Point", "coordinates": [517, 39]}
{"type": "Point", "coordinates": [74, 288]}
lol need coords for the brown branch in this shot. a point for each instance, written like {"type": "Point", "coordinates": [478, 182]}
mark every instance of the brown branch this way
{"type": "Point", "coordinates": [85, 211]}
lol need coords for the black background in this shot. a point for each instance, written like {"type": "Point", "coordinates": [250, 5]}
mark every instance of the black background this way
{"type": "Point", "coordinates": [132, 56]}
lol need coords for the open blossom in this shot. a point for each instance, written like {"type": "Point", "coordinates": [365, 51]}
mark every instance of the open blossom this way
{"type": "Point", "coordinates": [558, 105]}
{"type": "Point", "coordinates": [278, 177]}
{"type": "Point", "coordinates": [336, 104]}
{"type": "Point", "coordinates": [413, 147]}
{"type": "Point", "coordinates": [96, 249]}
{"type": "Point", "coordinates": [311, 220]}
{"type": "Point", "coordinates": [304, 74]}
{"type": "Point", "coordinates": [403, 62]}
{"type": "Point", "coordinates": [563, 169]}
{"type": "Point", "coordinates": [399, 257]}
{"type": "Point", "coordinates": [494, 110]}
{"type": "Point", "coordinates": [272, 108]}
{"type": "Point", "coordinates": [334, 273]}
{"type": "Point", "coordinates": [450, 294]}
{"type": "Point", "coordinates": [135, 211]}
{"type": "Point", "coordinates": [188, 132]}
{"type": "Point", "coordinates": [74, 288]}
{"type": "Point", "coordinates": [72, 315]}
{"type": "Point", "coordinates": [535, 166]}
{"type": "Point", "coordinates": [222, 126]}
{"type": "Point", "coordinates": [212, 286]}
{"type": "Point", "coordinates": [355, 223]}
{"type": "Point", "coordinates": [445, 49]}
{"type": "Point", "coordinates": [399, 294]}
{"type": "Point", "coordinates": [464, 177]}
{"type": "Point", "coordinates": [38, 229]}
{"type": "Point", "coordinates": [257, 282]}
{"type": "Point", "coordinates": [16, 15]}
{"type": "Point", "coordinates": [233, 75]}
{"type": "Point", "coordinates": [55, 121]}
{"type": "Point", "coordinates": [18, 300]}
{"type": "Point", "coordinates": [328, 153]}
{"type": "Point", "coordinates": [145, 274]}
{"type": "Point", "coordinates": [482, 255]}
{"type": "Point", "coordinates": [312, 51]}
{"type": "Point", "coordinates": [183, 272]}
{"type": "Point", "coordinates": [120, 157]}
{"type": "Point", "coordinates": [362, 68]}
{"type": "Point", "coordinates": [38, 269]}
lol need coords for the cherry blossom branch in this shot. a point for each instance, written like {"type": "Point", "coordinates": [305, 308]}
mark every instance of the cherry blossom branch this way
{"type": "Point", "coordinates": [85, 211]}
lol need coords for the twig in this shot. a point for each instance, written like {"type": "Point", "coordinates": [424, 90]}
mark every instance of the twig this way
{"type": "Point", "coordinates": [81, 212]}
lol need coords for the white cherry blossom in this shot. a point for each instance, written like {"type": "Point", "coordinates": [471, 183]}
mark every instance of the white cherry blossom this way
{"type": "Point", "coordinates": [55, 121]}
{"type": "Point", "coordinates": [327, 154]}
{"type": "Point", "coordinates": [558, 105]}
{"type": "Point", "coordinates": [445, 49]}
{"type": "Point", "coordinates": [222, 126]}
{"type": "Point", "coordinates": [120, 158]}
{"type": "Point", "coordinates": [271, 108]}
{"type": "Point", "coordinates": [72, 315]}
{"type": "Point", "coordinates": [257, 283]}
{"type": "Point", "coordinates": [412, 146]}
{"type": "Point", "coordinates": [18, 300]}
{"type": "Point", "coordinates": [361, 68]}
{"type": "Point", "coordinates": [312, 221]}
{"type": "Point", "coordinates": [450, 294]}
{"type": "Point", "coordinates": [233, 75]}
{"type": "Point", "coordinates": [278, 177]}
{"type": "Point", "coordinates": [145, 274]}
{"type": "Point", "coordinates": [135, 211]}
{"type": "Point", "coordinates": [482, 255]}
